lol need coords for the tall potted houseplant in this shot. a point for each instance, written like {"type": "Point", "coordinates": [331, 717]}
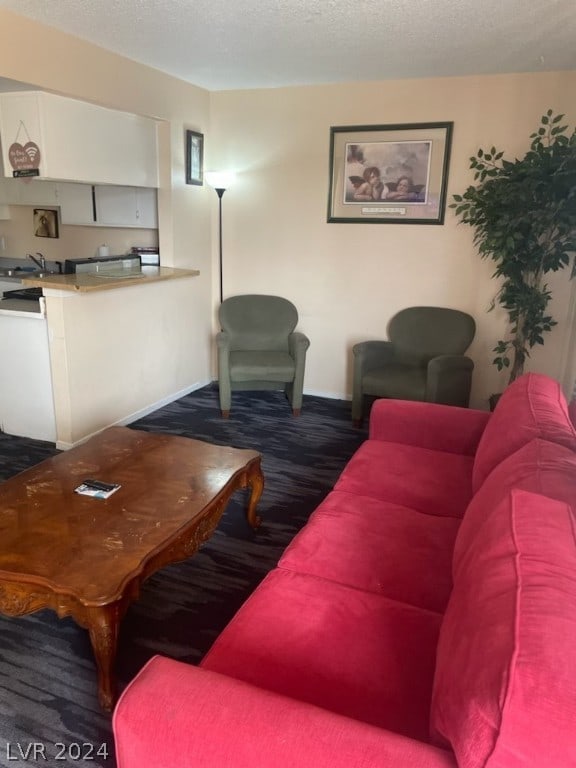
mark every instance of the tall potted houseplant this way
{"type": "Point", "coordinates": [523, 212]}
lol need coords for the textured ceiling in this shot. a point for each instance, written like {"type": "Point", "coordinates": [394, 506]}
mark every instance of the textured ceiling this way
{"type": "Point", "coordinates": [222, 44]}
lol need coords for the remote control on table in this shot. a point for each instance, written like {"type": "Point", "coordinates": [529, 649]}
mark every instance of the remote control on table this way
{"type": "Point", "coordinates": [99, 485]}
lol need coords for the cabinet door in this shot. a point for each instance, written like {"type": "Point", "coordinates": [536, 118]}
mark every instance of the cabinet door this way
{"type": "Point", "coordinates": [76, 204]}
{"type": "Point", "coordinates": [125, 206]}
{"type": "Point", "coordinates": [147, 207]}
{"type": "Point", "coordinates": [26, 399]}
{"type": "Point", "coordinates": [35, 192]}
{"type": "Point", "coordinates": [116, 206]}
{"type": "Point", "coordinates": [4, 198]}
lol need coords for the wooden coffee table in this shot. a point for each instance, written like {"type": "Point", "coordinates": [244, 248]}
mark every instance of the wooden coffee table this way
{"type": "Point", "coordinates": [85, 557]}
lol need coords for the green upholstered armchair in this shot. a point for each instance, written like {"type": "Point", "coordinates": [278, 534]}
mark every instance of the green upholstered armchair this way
{"type": "Point", "coordinates": [259, 349]}
{"type": "Point", "coordinates": [423, 359]}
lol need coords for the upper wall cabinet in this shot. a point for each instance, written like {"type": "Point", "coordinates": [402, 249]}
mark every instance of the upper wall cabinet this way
{"type": "Point", "coordinates": [126, 207]}
{"type": "Point", "coordinates": [72, 140]}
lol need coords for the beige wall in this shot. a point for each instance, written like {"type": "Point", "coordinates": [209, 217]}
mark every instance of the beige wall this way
{"type": "Point", "coordinates": [346, 279]}
{"type": "Point", "coordinates": [349, 279]}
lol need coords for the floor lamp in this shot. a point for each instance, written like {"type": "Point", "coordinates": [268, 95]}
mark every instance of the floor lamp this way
{"type": "Point", "coordinates": [220, 181]}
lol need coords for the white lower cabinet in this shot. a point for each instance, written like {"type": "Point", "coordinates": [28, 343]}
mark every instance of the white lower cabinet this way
{"type": "Point", "coordinates": [26, 398]}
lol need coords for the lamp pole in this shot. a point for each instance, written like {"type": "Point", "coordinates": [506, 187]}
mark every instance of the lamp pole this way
{"type": "Point", "coordinates": [220, 181]}
{"type": "Point", "coordinates": [220, 191]}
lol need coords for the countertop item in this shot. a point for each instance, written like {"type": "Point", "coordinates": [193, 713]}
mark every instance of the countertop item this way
{"type": "Point", "coordinates": [86, 282]}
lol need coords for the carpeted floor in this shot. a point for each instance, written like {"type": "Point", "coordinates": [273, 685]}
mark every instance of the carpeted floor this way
{"type": "Point", "coordinates": [48, 702]}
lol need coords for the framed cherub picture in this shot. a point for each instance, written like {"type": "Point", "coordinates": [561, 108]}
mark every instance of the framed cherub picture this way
{"type": "Point", "coordinates": [389, 174]}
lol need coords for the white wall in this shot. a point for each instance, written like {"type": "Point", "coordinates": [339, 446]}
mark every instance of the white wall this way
{"type": "Point", "coordinates": [347, 280]}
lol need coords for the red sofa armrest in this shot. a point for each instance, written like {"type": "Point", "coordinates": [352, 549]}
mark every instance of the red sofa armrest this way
{"type": "Point", "coordinates": [428, 425]}
{"type": "Point", "coordinates": [174, 714]}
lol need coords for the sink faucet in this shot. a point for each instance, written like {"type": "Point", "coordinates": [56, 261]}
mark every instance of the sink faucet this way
{"type": "Point", "coordinates": [40, 261]}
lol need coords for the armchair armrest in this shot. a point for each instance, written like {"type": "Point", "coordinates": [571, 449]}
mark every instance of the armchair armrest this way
{"type": "Point", "coordinates": [428, 425]}
{"type": "Point", "coordinates": [224, 385]}
{"type": "Point", "coordinates": [372, 354]}
{"type": "Point", "coordinates": [298, 343]}
{"type": "Point", "coordinates": [449, 380]}
{"type": "Point", "coordinates": [174, 714]}
{"type": "Point", "coordinates": [222, 340]}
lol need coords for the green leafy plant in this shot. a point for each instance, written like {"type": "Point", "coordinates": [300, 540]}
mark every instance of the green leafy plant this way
{"type": "Point", "coordinates": [524, 216]}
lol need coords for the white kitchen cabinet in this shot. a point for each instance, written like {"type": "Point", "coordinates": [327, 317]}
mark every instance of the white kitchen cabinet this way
{"type": "Point", "coordinates": [26, 396]}
{"type": "Point", "coordinates": [4, 201]}
{"type": "Point", "coordinates": [76, 203]}
{"type": "Point", "coordinates": [34, 192]}
{"type": "Point", "coordinates": [126, 207]}
{"type": "Point", "coordinates": [78, 141]}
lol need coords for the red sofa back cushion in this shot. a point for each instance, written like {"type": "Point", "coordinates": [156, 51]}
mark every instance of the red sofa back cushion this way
{"type": "Point", "coordinates": [532, 406]}
{"type": "Point", "coordinates": [504, 690]}
{"type": "Point", "coordinates": [540, 467]}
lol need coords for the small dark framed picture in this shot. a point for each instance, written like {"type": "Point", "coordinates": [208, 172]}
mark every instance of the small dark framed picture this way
{"type": "Point", "coordinates": [194, 158]}
{"type": "Point", "coordinates": [45, 222]}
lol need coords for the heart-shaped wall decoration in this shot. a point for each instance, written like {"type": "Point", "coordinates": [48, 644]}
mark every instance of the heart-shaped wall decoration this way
{"type": "Point", "coordinates": [25, 157]}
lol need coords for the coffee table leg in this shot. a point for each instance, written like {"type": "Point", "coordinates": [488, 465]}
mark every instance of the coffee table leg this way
{"type": "Point", "coordinates": [255, 479]}
{"type": "Point", "coordinates": [103, 625]}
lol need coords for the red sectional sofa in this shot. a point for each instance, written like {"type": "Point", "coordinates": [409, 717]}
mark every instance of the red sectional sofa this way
{"type": "Point", "coordinates": [425, 616]}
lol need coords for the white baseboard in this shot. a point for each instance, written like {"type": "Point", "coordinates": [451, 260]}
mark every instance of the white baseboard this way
{"type": "Point", "coordinates": [328, 395]}
{"type": "Point", "coordinates": [64, 446]}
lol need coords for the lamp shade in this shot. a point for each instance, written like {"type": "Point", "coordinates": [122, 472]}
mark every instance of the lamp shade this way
{"type": "Point", "coordinates": [220, 179]}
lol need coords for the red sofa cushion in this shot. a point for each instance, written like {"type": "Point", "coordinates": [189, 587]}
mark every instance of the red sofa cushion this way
{"type": "Point", "coordinates": [532, 406]}
{"type": "Point", "coordinates": [377, 546]}
{"type": "Point", "coordinates": [505, 684]}
{"type": "Point", "coordinates": [433, 482]}
{"type": "Point", "coordinates": [540, 467]}
{"type": "Point", "coordinates": [351, 652]}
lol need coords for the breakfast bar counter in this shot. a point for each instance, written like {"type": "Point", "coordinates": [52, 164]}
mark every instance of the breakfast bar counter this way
{"type": "Point", "coordinates": [102, 281]}
{"type": "Point", "coordinates": [121, 344]}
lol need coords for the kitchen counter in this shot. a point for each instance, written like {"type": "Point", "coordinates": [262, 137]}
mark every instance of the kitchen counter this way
{"type": "Point", "coordinates": [89, 281]}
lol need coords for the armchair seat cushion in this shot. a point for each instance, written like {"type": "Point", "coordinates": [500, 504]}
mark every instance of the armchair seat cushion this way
{"type": "Point", "coordinates": [398, 381]}
{"type": "Point", "coordinates": [261, 365]}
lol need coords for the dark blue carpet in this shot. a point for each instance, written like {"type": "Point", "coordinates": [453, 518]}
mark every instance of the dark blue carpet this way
{"type": "Point", "coordinates": [47, 675]}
